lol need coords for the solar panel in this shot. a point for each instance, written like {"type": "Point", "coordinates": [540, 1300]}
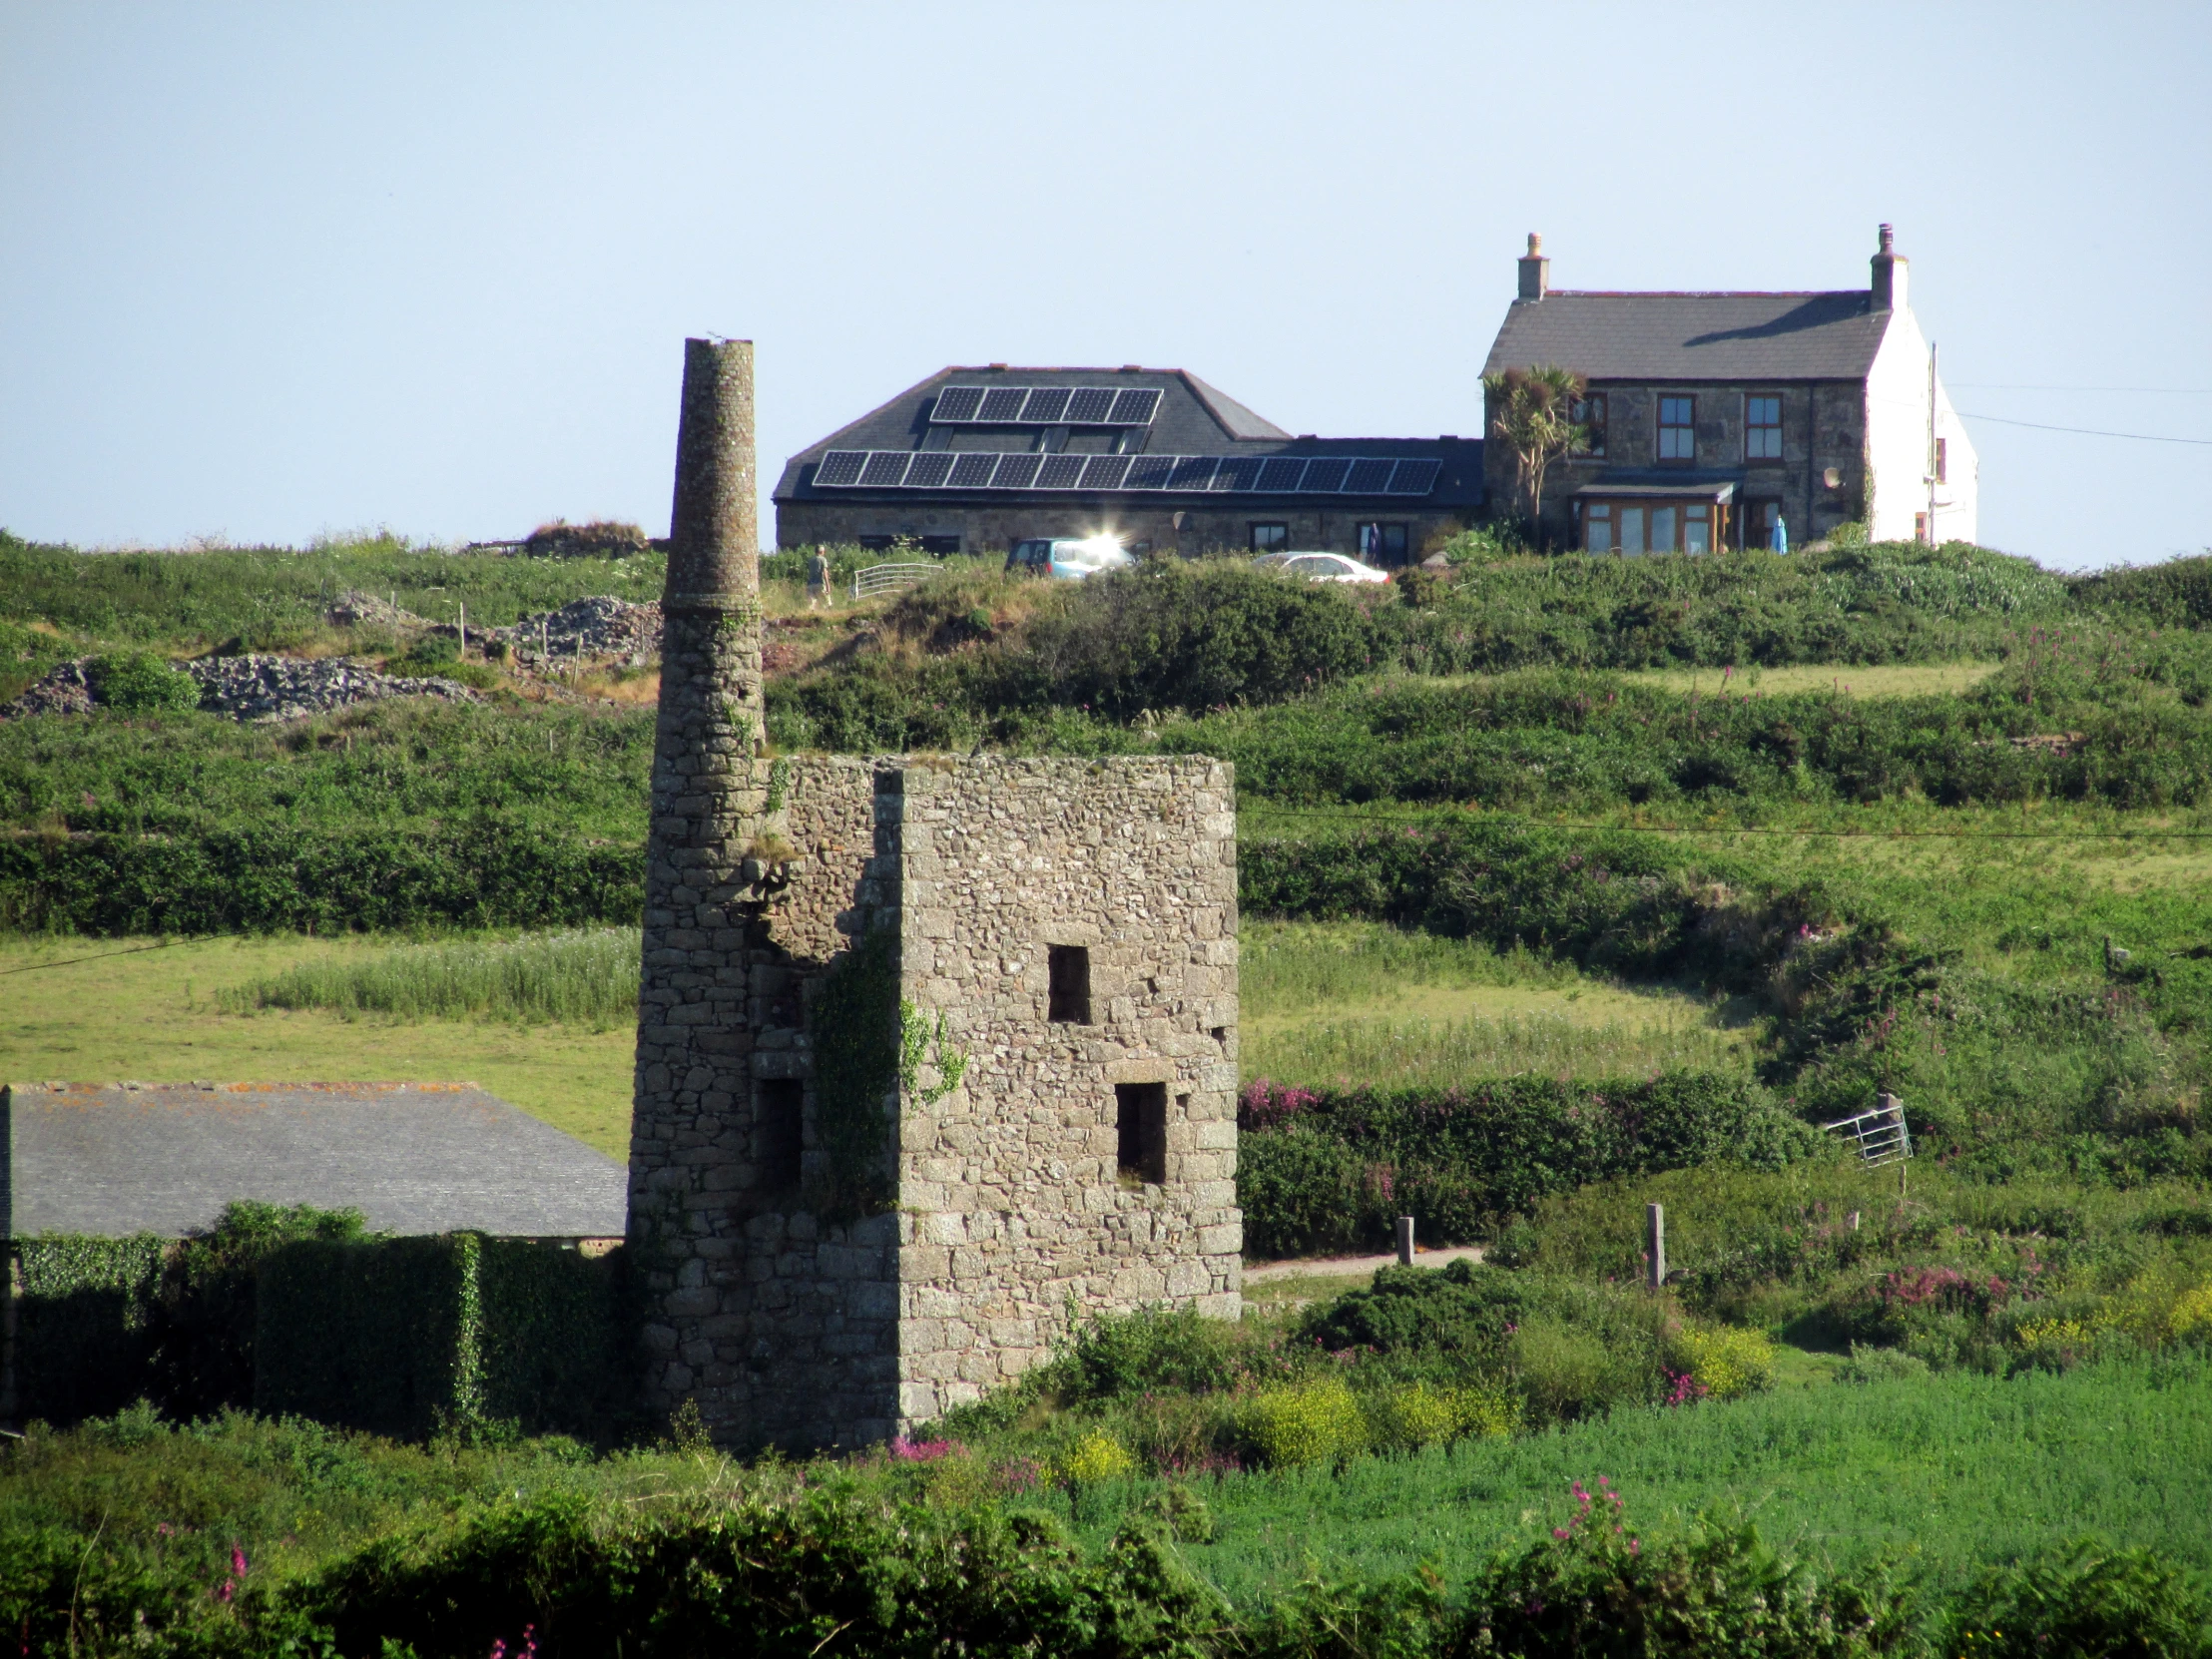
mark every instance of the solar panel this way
{"type": "Point", "coordinates": [1193, 472]}
{"type": "Point", "coordinates": [1150, 472]}
{"type": "Point", "coordinates": [1090, 405]}
{"type": "Point", "coordinates": [885, 469]}
{"type": "Point", "coordinates": [1105, 472]}
{"type": "Point", "coordinates": [1368, 477]}
{"type": "Point", "coordinates": [1324, 475]}
{"type": "Point", "coordinates": [1135, 407]}
{"type": "Point", "coordinates": [1004, 403]}
{"type": "Point", "coordinates": [1238, 472]}
{"type": "Point", "coordinates": [1046, 405]}
{"type": "Point", "coordinates": [1414, 477]}
{"type": "Point", "coordinates": [971, 472]}
{"type": "Point", "coordinates": [839, 469]}
{"type": "Point", "coordinates": [1280, 472]}
{"type": "Point", "coordinates": [957, 403]}
{"type": "Point", "coordinates": [1061, 472]}
{"type": "Point", "coordinates": [931, 470]}
{"type": "Point", "coordinates": [1015, 472]}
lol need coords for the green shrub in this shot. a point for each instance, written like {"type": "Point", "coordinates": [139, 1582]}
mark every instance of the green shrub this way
{"type": "Point", "coordinates": [1318, 1422]}
{"type": "Point", "coordinates": [138, 682]}
{"type": "Point", "coordinates": [1727, 1363]}
{"type": "Point", "coordinates": [1117, 1355]}
{"type": "Point", "coordinates": [1467, 1310]}
{"type": "Point", "coordinates": [2092, 1601]}
{"type": "Point", "coordinates": [1881, 1365]}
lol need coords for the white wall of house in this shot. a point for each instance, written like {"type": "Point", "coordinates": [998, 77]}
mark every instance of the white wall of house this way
{"type": "Point", "coordinates": [1899, 456]}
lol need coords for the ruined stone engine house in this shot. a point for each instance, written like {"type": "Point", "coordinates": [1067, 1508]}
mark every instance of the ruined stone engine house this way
{"type": "Point", "coordinates": [933, 1053]}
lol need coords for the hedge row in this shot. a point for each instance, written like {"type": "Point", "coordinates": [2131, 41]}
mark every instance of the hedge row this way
{"type": "Point", "coordinates": [830, 1573]}
{"type": "Point", "coordinates": [270, 878]}
{"type": "Point", "coordinates": [1332, 1171]}
{"type": "Point", "coordinates": [294, 1312]}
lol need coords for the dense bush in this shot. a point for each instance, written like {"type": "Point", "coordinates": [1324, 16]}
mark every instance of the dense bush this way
{"type": "Point", "coordinates": [1318, 1172]}
{"type": "Point", "coordinates": [137, 681]}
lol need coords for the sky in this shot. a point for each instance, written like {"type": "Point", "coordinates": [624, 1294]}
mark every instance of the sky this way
{"type": "Point", "coordinates": [274, 271]}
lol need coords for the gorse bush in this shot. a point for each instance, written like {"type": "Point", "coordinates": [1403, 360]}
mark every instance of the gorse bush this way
{"type": "Point", "coordinates": [1726, 1364]}
{"type": "Point", "coordinates": [138, 682]}
{"type": "Point", "coordinates": [1318, 1422]}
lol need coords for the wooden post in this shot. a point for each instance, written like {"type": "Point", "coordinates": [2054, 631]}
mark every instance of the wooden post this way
{"type": "Point", "coordinates": [1655, 1243]}
{"type": "Point", "coordinates": [1405, 1240]}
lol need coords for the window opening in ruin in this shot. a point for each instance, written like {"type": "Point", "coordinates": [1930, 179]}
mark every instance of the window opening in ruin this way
{"type": "Point", "coordinates": [1068, 973]}
{"type": "Point", "coordinates": [778, 1106]}
{"type": "Point", "coordinates": [1141, 1130]}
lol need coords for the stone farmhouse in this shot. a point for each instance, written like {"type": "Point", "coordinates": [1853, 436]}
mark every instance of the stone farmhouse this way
{"type": "Point", "coordinates": [974, 459]}
{"type": "Point", "coordinates": [933, 1053]}
{"type": "Point", "coordinates": [1711, 415]}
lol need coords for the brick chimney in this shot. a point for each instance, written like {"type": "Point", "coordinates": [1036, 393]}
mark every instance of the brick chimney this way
{"type": "Point", "coordinates": [1888, 287]}
{"type": "Point", "coordinates": [1535, 269]}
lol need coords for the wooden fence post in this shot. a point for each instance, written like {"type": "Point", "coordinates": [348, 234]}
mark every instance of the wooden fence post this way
{"type": "Point", "coordinates": [1405, 1240]}
{"type": "Point", "coordinates": [1655, 1243]}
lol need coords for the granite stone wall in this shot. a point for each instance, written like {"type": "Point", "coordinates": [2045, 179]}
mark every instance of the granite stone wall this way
{"type": "Point", "coordinates": [870, 1171]}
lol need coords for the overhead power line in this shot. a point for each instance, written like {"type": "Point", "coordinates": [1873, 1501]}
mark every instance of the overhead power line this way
{"type": "Point", "coordinates": [2019, 386]}
{"type": "Point", "coordinates": [2088, 431]}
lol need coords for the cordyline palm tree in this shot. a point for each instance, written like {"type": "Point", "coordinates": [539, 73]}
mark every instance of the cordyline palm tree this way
{"type": "Point", "coordinates": [1535, 419]}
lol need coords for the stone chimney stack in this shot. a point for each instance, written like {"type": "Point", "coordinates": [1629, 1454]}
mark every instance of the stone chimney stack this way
{"type": "Point", "coordinates": [1888, 287]}
{"type": "Point", "coordinates": [1535, 269]}
{"type": "Point", "coordinates": [693, 1083]}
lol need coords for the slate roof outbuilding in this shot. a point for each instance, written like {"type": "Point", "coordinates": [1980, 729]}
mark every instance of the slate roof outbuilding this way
{"type": "Point", "coordinates": [1194, 418]}
{"type": "Point", "coordinates": [1694, 336]}
{"type": "Point", "coordinates": [165, 1158]}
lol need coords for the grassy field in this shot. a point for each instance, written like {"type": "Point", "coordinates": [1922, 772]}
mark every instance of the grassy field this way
{"type": "Point", "coordinates": [1853, 680]}
{"type": "Point", "coordinates": [102, 1011]}
{"type": "Point", "coordinates": [1949, 1475]}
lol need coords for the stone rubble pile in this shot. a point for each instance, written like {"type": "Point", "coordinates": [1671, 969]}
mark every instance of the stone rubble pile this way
{"type": "Point", "coordinates": [290, 688]}
{"type": "Point", "coordinates": [600, 627]}
{"type": "Point", "coordinates": [355, 609]}
{"type": "Point", "coordinates": [65, 690]}
{"type": "Point", "coordinates": [250, 688]}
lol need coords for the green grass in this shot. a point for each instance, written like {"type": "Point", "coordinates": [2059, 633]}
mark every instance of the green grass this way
{"type": "Point", "coordinates": [1386, 1053]}
{"type": "Point", "coordinates": [585, 977]}
{"type": "Point", "coordinates": [1286, 966]}
{"type": "Point", "coordinates": [1948, 1475]}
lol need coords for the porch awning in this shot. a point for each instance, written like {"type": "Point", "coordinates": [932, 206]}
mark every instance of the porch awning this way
{"type": "Point", "coordinates": [1685, 485]}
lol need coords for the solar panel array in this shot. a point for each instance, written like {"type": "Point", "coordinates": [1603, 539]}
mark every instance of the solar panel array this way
{"type": "Point", "coordinates": [1211, 474]}
{"type": "Point", "coordinates": [1046, 405]}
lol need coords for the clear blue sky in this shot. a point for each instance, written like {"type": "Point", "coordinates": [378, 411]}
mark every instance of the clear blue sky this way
{"type": "Point", "coordinates": [267, 271]}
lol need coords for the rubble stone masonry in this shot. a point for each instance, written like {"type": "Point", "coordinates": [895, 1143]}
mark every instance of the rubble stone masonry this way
{"type": "Point", "coordinates": [932, 1052]}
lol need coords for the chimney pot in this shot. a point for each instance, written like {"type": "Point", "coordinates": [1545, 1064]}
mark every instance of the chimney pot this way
{"type": "Point", "coordinates": [1887, 290]}
{"type": "Point", "coordinates": [1535, 269]}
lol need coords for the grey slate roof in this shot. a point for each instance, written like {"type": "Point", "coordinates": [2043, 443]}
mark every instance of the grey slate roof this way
{"type": "Point", "coordinates": [413, 1157]}
{"type": "Point", "coordinates": [1694, 336]}
{"type": "Point", "coordinates": [1194, 418]}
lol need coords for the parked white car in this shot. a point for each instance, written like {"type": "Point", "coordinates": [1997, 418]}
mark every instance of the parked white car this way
{"type": "Point", "coordinates": [1321, 567]}
{"type": "Point", "coordinates": [1067, 560]}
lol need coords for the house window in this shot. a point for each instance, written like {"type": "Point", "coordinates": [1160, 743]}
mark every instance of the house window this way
{"type": "Point", "coordinates": [1632, 529]}
{"type": "Point", "coordinates": [1760, 518]}
{"type": "Point", "coordinates": [1943, 462]}
{"type": "Point", "coordinates": [1383, 545]}
{"type": "Point", "coordinates": [1270, 538]}
{"type": "Point", "coordinates": [1697, 528]}
{"type": "Point", "coordinates": [1662, 529]}
{"type": "Point", "coordinates": [1763, 428]}
{"type": "Point", "coordinates": [1597, 528]}
{"type": "Point", "coordinates": [1141, 1130]}
{"type": "Point", "coordinates": [777, 1135]}
{"type": "Point", "coordinates": [1069, 976]}
{"type": "Point", "coordinates": [1589, 414]}
{"type": "Point", "coordinates": [1920, 527]}
{"type": "Point", "coordinates": [1678, 429]}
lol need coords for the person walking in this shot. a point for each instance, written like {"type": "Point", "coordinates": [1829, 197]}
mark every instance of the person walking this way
{"type": "Point", "coordinates": [818, 577]}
